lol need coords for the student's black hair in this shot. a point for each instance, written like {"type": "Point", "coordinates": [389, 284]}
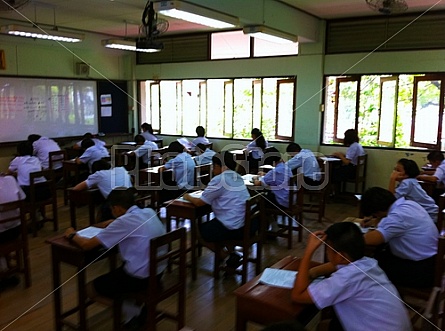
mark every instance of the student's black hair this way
{"type": "Point", "coordinates": [88, 135]}
{"type": "Point", "coordinates": [175, 147]}
{"type": "Point", "coordinates": [285, 326]}
{"type": "Point", "coordinates": [100, 165]}
{"type": "Point", "coordinates": [224, 158]}
{"type": "Point", "coordinates": [376, 199]}
{"type": "Point", "coordinates": [351, 136]}
{"type": "Point", "coordinates": [435, 156]}
{"type": "Point", "coordinates": [293, 147]}
{"type": "Point", "coordinates": [202, 147]}
{"type": "Point", "coordinates": [411, 168]}
{"type": "Point", "coordinates": [259, 138]}
{"type": "Point", "coordinates": [24, 148]}
{"type": "Point", "coordinates": [147, 127]}
{"type": "Point", "coordinates": [34, 137]}
{"type": "Point", "coordinates": [272, 156]}
{"type": "Point", "coordinates": [139, 139]}
{"type": "Point", "coordinates": [200, 131]}
{"type": "Point", "coordinates": [347, 238]}
{"type": "Point", "coordinates": [122, 196]}
{"type": "Point", "coordinates": [87, 143]}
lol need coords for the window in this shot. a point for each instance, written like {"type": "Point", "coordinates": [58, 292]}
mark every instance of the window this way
{"type": "Point", "coordinates": [399, 111]}
{"type": "Point", "coordinates": [227, 108]}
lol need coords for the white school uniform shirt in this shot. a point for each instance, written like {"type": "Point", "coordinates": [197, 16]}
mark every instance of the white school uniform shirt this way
{"type": "Point", "coordinates": [409, 231]}
{"type": "Point", "coordinates": [41, 149]}
{"type": "Point", "coordinates": [205, 157]}
{"type": "Point", "coordinates": [96, 141]}
{"type": "Point", "coordinates": [92, 154]}
{"type": "Point", "coordinates": [278, 181]}
{"type": "Point", "coordinates": [10, 191]}
{"type": "Point", "coordinates": [363, 298]}
{"type": "Point", "coordinates": [306, 159]}
{"type": "Point", "coordinates": [144, 151]}
{"type": "Point", "coordinates": [257, 152]}
{"type": "Point", "coordinates": [410, 189]}
{"type": "Point", "coordinates": [440, 172]}
{"type": "Point", "coordinates": [227, 194]}
{"type": "Point", "coordinates": [24, 165]}
{"type": "Point", "coordinates": [132, 232]}
{"type": "Point", "coordinates": [148, 136]}
{"type": "Point", "coordinates": [199, 140]}
{"type": "Point", "coordinates": [183, 168]}
{"type": "Point", "coordinates": [353, 152]}
{"type": "Point", "coordinates": [107, 180]}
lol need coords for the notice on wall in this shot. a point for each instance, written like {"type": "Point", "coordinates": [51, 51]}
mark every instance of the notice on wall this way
{"type": "Point", "coordinates": [105, 111]}
{"type": "Point", "coordinates": [105, 99]}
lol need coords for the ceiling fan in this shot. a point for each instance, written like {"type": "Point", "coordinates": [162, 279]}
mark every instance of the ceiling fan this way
{"type": "Point", "coordinates": [151, 28]}
{"type": "Point", "coordinates": [6, 5]}
{"type": "Point", "coordinates": [388, 7]}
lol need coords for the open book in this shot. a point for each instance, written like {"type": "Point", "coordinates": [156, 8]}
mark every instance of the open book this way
{"type": "Point", "coordinates": [196, 194]}
{"type": "Point", "coordinates": [89, 232]}
{"type": "Point", "coordinates": [281, 277]}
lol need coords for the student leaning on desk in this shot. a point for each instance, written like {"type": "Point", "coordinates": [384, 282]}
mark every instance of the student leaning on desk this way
{"type": "Point", "coordinates": [132, 231]}
{"type": "Point", "coordinates": [362, 295]}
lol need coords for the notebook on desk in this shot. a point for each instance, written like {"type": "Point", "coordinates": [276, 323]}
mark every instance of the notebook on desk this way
{"type": "Point", "coordinates": [196, 194]}
{"type": "Point", "coordinates": [281, 277]}
{"type": "Point", "coordinates": [89, 232]}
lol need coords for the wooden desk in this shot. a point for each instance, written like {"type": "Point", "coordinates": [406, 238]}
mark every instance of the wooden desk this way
{"type": "Point", "coordinates": [189, 211]}
{"type": "Point", "coordinates": [90, 197]}
{"type": "Point", "coordinates": [64, 251]}
{"type": "Point", "coordinates": [70, 167]}
{"type": "Point", "coordinates": [264, 304]}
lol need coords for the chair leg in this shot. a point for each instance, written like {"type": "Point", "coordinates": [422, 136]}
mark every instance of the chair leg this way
{"type": "Point", "coordinates": [117, 309]}
{"type": "Point", "coordinates": [259, 256]}
{"type": "Point", "coordinates": [289, 231]}
{"type": "Point", "coordinates": [300, 227]}
{"type": "Point", "coordinates": [217, 262]}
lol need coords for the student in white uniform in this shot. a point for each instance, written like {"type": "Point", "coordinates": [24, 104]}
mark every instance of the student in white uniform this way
{"type": "Point", "coordinates": [89, 135]}
{"type": "Point", "coordinates": [131, 231]}
{"type": "Point", "coordinates": [255, 150]}
{"type": "Point", "coordinates": [92, 153]}
{"type": "Point", "coordinates": [41, 148]}
{"type": "Point", "coordinates": [147, 132]}
{"type": "Point", "coordinates": [143, 150]}
{"type": "Point", "coordinates": [203, 155]}
{"type": "Point", "coordinates": [200, 139]}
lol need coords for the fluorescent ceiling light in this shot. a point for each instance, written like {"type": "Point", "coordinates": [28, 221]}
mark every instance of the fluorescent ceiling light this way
{"type": "Point", "coordinates": [33, 32]}
{"type": "Point", "coordinates": [196, 14]}
{"type": "Point", "coordinates": [272, 35]}
{"type": "Point", "coordinates": [131, 45]}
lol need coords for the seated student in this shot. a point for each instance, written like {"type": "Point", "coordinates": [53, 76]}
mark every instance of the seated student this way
{"type": "Point", "coordinates": [349, 160]}
{"type": "Point", "coordinates": [362, 296]}
{"type": "Point", "coordinates": [405, 172]}
{"type": "Point", "coordinates": [183, 168]}
{"type": "Point", "coordinates": [105, 179]}
{"type": "Point", "coordinates": [256, 148]}
{"type": "Point", "coordinates": [436, 159]}
{"type": "Point", "coordinates": [92, 153]}
{"type": "Point", "coordinates": [9, 191]}
{"type": "Point", "coordinates": [132, 231]}
{"type": "Point", "coordinates": [89, 135]}
{"type": "Point", "coordinates": [143, 150]}
{"type": "Point", "coordinates": [147, 132]}
{"type": "Point", "coordinates": [23, 165]}
{"type": "Point", "coordinates": [227, 194]}
{"type": "Point", "coordinates": [201, 139]}
{"type": "Point", "coordinates": [305, 159]}
{"type": "Point", "coordinates": [203, 155]}
{"type": "Point", "coordinates": [410, 234]}
{"type": "Point", "coordinates": [41, 148]}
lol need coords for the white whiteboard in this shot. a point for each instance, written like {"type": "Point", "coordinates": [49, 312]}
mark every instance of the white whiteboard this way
{"type": "Point", "coordinates": [48, 107]}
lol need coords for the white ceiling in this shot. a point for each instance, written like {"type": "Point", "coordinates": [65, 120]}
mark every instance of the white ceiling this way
{"type": "Point", "coordinates": [123, 17]}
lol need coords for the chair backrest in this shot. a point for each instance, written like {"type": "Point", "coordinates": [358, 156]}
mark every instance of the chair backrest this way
{"type": "Point", "coordinates": [11, 211]}
{"type": "Point", "coordinates": [48, 187]}
{"type": "Point", "coordinates": [56, 157]}
{"type": "Point", "coordinates": [254, 219]}
{"type": "Point", "coordinates": [209, 145]}
{"type": "Point", "coordinates": [203, 174]}
{"type": "Point", "coordinates": [439, 266]}
{"type": "Point", "coordinates": [296, 191]}
{"type": "Point", "coordinates": [360, 173]}
{"type": "Point", "coordinates": [440, 213]}
{"type": "Point", "coordinates": [173, 282]}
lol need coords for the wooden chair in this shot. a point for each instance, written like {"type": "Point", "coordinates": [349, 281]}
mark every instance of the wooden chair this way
{"type": "Point", "coordinates": [203, 174]}
{"type": "Point", "coordinates": [172, 283]}
{"type": "Point", "coordinates": [359, 180]}
{"type": "Point", "coordinates": [54, 158]}
{"type": "Point", "coordinates": [423, 294]}
{"type": "Point", "coordinates": [14, 211]}
{"type": "Point", "coordinates": [37, 203]}
{"type": "Point", "coordinates": [315, 197]}
{"type": "Point", "coordinates": [254, 218]}
{"type": "Point", "coordinates": [440, 214]}
{"type": "Point", "coordinates": [433, 312]}
{"type": "Point", "coordinates": [156, 156]}
{"type": "Point", "coordinates": [288, 215]}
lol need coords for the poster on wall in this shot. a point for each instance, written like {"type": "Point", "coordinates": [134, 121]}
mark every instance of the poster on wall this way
{"type": "Point", "coordinates": [105, 111]}
{"type": "Point", "coordinates": [105, 99]}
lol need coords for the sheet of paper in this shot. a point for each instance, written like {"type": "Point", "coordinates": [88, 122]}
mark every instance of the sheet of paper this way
{"type": "Point", "coordinates": [196, 194]}
{"type": "Point", "coordinates": [89, 232]}
{"type": "Point", "coordinates": [278, 277]}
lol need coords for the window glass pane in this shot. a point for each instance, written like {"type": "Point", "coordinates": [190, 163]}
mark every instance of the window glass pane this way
{"type": "Point", "coordinates": [168, 107]}
{"type": "Point", "coordinates": [229, 45]}
{"type": "Point", "coordinates": [346, 107]}
{"type": "Point", "coordinates": [215, 95]}
{"type": "Point", "coordinates": [190, 111]}
{"type": "Point", "coordinates": [404, 111]}
{"type": "Point", "coordinates": [269, 107]}
{"type": "Point", "coordinates": [179, 105]}
{"type": "Point", "coordinates": [145, 101]}
{"type": "Point", "coordinates": [263, 47]}
{"type": "Point", "coordinates": [154, 107]}
{"type": "Point", "coordinates": [285, 109]}
{"type": "Point", "coordinates": [427, 112]}
{"type": "Point", "coordinates": [242, 116]}
{"type": "Point", "coordinates": [329, 111]}
{"type": "Point", "coordinates": [387, 111]}
{"type": "Point", "coordinates": [368, 110]}
{"type": "Point", "coordinates": [257, 103]}
{"type": "Point", "coordinates": [228, 108]}
{"type": "Point", "coordinates": [203, 104]}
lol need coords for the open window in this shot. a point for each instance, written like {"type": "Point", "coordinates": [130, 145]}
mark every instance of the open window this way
{"type": "Point", "coordinates": [347, 91]}
{"type": "Point", "coordinates": [285, 109]}
{"type": "Point", "coordinates": [387, 110]}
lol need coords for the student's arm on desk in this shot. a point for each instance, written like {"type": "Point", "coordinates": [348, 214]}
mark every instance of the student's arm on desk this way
{"type": "Point", "coordinates": [299, 292]}
{"type": "Point", "coordinates": [85, 243]}
{"type": "Point", "coordinates": [78, 161]}
{"type": "Point", "coordinates": [428, 178]}
{"type": "Point", "coordinates": [342, 157]}
{"type": "Point", "coordinates": [82, 186]}
{"type": "Point", "coordinates": [196, 201]}
{"type": "Point", "coordinates": [374, 238]}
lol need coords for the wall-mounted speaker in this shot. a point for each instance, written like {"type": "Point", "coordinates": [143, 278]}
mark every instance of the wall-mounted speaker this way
{"type": "Point", "coordinates": [82, 69]}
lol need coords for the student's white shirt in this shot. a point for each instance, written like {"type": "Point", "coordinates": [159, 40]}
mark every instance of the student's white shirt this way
{"type": "Point", "coordinates": [24, 165]}
{"type": "Point", "coordinates": [9, 191]}
{"type": "Point", "coordinates": [145, 150]}
{"type": "Point", "coordinates": [97, 142]}
{"type": "Point", "coordinates": [107, 180]}
{"type": "Point", "coordinates": [41, 149]}
{"type": "Point", "coordinates": [148, 136]}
